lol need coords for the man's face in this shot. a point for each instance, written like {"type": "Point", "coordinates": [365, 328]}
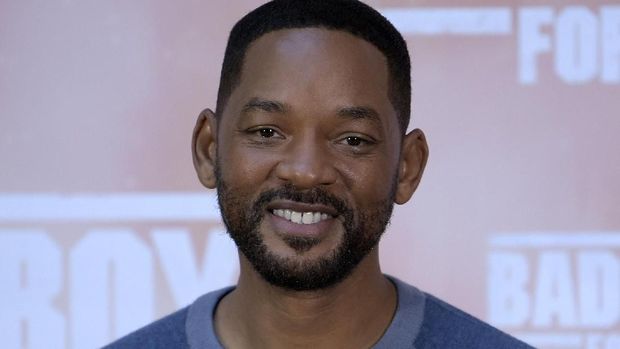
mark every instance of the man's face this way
{"type": "Point", "coordinates": [308, 156]}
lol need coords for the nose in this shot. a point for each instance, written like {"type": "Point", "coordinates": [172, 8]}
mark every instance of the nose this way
{"type": "Point", "coordinates": [306, 164]}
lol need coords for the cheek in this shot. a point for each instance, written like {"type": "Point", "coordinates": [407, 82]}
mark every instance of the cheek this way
{"type": "Point", "coordinates": [377, 172]}
{"type": "Point", "coordinates": [372, 183]}
{"type": "Point", "coordinates": [243, 167]}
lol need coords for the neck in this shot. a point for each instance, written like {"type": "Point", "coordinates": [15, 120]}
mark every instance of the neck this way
{"type": "Point", "coordinates": [352, 314]}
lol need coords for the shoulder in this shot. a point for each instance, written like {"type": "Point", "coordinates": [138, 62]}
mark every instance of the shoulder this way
{"type": "Point", "coordinates": [445, 326]}
{"type": "Point", "coordinates": [190, 326]}
{"type": "Point", "coordinates": [168, 332]}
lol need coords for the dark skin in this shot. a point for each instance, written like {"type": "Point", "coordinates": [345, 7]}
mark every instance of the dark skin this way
{"type": "Point", "coordinates": [311, 109]}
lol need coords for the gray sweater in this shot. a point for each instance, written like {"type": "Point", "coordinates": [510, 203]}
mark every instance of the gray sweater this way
{"type": "Point", "coordinates": [421, 321]}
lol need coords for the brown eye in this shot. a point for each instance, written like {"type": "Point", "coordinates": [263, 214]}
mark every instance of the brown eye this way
{"type": "Point", "coordinates": [264, 135]}
{"type": "Point", "coordinates": [354, 141]}
{"type": "Point", "coordinates": [357, 144]}
{"type": "Point", "coordinates": [266, 132]}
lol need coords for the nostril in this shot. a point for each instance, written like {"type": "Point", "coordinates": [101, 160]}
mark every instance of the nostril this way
{"type": "Point", "coordinates": [305, 174]}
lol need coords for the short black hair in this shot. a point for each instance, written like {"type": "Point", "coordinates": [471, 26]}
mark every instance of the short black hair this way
{"type": "Point", "coordinates": [351, 16]}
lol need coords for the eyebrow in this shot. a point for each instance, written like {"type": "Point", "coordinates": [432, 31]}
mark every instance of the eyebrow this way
{"type": "Point", "coordinates": [360, 112]}
{"type": "Point", "coordinates": [271, 106]}
{"type": "Point", "coordinates": [265, 105]}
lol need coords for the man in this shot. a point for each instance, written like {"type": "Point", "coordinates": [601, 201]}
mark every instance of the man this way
{"type": "Point", "coordinates": [308, 151]}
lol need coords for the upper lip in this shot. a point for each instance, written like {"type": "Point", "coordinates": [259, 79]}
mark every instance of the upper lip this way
{"type": "Point", "coordinates": [301, 207]}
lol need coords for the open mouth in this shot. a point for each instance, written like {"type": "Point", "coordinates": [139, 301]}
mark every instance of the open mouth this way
{"type": "Point", "coordinates": [301, 217]}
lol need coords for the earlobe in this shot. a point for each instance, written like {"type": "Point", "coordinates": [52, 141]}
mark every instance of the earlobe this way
{"type": "Point", "coordinates": [204, 149]}
{"type": "Point", "coordinates": [413, 157]}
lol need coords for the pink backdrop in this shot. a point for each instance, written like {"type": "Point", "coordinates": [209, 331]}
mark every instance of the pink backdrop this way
{"type": "Point", "coordinates": [104, 227]}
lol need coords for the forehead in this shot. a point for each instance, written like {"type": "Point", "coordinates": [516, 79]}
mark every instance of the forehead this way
{"type": "Point", "coordinates": [314, 67]}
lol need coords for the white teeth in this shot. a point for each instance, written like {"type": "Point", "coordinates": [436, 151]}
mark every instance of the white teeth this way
{"type": "Point", "coordinates": [296, 217]}
{"type": "Point", "coordinates": [301, 217]}
{"type": "Point", "coordinates": [307, 218]}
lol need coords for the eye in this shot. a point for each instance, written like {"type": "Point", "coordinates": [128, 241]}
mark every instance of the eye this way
{"type": "Point", "coordinates": [263, 135]}
{"type": "Point", "coordinates": [357, 144]}
{"type": "Point", "coordinates": [354, 141]}
{"type": "Point", "coordinates": [266, 132]}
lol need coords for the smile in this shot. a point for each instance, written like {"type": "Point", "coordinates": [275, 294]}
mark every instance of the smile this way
{"type": "Point", "coordinates": [301, 217]}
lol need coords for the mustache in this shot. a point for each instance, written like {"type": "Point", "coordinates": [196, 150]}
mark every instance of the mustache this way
{"type": "Point", "coordinates": [310, 196]}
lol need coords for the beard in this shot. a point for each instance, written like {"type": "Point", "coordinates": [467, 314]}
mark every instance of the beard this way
{"type": "Point", "coordinates": [362, 232]}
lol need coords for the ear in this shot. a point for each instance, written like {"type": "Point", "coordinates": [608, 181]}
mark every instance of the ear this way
{"type": "Point", "coordinates": [413, 157]}
{"type": "Point", "coordinates": [204, 151]}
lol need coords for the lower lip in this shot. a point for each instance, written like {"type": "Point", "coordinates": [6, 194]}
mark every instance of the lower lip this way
{"type": "Point", "coordinates": [284, 226]}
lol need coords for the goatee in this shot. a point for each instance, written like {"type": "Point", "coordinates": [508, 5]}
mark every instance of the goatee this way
{"type": "Point", "coordinates": [362, 232]}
